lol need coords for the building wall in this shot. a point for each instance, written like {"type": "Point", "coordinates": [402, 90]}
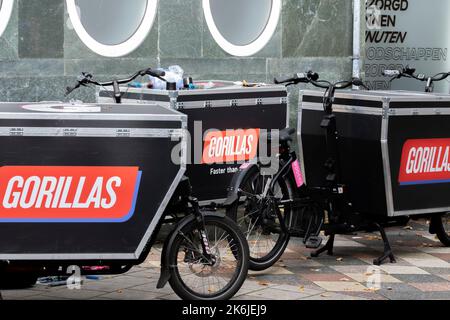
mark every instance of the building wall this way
{"type": "Point", "coordinates": [40, 54]}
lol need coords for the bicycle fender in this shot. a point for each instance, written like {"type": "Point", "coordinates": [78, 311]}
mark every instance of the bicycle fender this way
{"type": "Point", "coordinates": [238, 178]}
{"type": "Point", "coordinates": [165, 274]}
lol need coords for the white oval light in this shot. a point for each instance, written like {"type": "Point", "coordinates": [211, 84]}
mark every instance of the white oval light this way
{"type": "Point", "coordinates": [6, 8]}
{"type": "Point", "coordinates": [242, 28]}
{"type": "Point", "coordinates": [112, 28]}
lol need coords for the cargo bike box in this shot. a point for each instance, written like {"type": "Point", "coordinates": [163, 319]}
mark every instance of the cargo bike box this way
{"type": "Point", "coordinates": [394, 149]}
{"type": "Point", "coordinates": [73, 179]}
{"type": "Point", "coordinates": [211, 112]}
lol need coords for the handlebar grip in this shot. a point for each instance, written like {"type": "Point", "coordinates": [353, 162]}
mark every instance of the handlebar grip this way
{"type": "Point", "coordinates": [391, 73]}
{"type": "Point", "coordinates": [69, 90]}
{"type": "Point", "coordinates": [284, 80]}
{"type": "Point", "coordinates": [314, 76]}
{"type": "Point", "coordinates": [156, 73]}
{"type": "Point", "coordinates": [409, 71]}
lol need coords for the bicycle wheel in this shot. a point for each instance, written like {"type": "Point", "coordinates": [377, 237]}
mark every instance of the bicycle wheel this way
{"type": "Point", "coordinates": [218, 276]}
{"type": "Point", "coordinates": [257, 217]}
{"type": "Point", "coordinates": [441, 225]}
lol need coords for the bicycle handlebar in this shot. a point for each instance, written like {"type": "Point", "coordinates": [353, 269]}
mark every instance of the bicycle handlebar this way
{"type": "Point", "coordinates": [87, 78]}
{"type": "Point", "coordinates": [313, 78]}
{"type": "Point", "coordinates": [408, 72]}
{"type": "Point", "coordinates": [299, 78]}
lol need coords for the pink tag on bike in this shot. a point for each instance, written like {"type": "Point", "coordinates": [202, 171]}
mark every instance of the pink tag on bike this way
{"type": "Point", "coordinates": [298, 174]}
{"type": "Point", "coordinates": [244, 166]}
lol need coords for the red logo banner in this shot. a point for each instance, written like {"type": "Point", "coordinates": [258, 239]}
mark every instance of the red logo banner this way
{"type": "Point", "coordinates": [425, 161]}
{"type": "Point", "coordinates": [68, 194]}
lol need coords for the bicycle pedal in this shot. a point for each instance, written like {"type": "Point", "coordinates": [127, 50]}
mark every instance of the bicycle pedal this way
{"type": "Point", "coordinates": [314, 242]}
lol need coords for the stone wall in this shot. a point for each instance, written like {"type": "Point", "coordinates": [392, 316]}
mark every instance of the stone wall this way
{"type": "Point", "coordinates": [40, 54]}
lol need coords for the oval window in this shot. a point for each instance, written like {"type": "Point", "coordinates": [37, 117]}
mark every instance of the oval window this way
{"type": "Point", "coordinates": [6, 7]}
{"type": "Point", "coordinates": [242, 28]}
{"type": "Point", "coordinates": [112, 28]}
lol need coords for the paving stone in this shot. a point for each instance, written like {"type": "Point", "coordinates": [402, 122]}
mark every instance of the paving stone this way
{"type": "Point", "coordinates": [325, 277]}
{"type": "Point", "coordinates": [433, 287]}
{"type": "Point", "coordinates": [362, 269]}
{"type": "Point", "coordinates": [271, 271]}
{"type": "Point", "coordinates": [343, 258]}
{"type": "Point", "coordinates": [313, 270]}
{"type": "Point", "coordinates": [151, 287]}
{"type": "Point", "coordinates": [341, 286]}
{"type": "Point", "coordinates": [445, 276]}
{"type": "Point", "coordinates": [279, 279]}
{"type": "Point", "coordinates": [425, 260]}
{"type": "Point", "coordinates": [74, 294]}
{"type": "Point", "coordinates": [128, 294]}
{"type": "Point", "coordinates": [301, 289]}
{"type": "Point", "coordinates": [18, 294]}
{"type": "Point", "coordinates": [305, 263]}
{"type": "Point", "coordinates": [250, 298]}
{"type": "Point", "coordinates": [347, 244]}
{"type": "Point", "coordinates": [393, 269]}
{"type": "Point", "coordinates": [365, 277]}
{"type": "Point", "coordinates": [145, 273]}
{"type": "Point", "coordinates": [334, 296]}
{"type": "Point", "coordinates": [277, 294]}
{"type": "Point", "coordinates": [367, 295]}
{"type": "Point", "coordinates": [104, 286]}
{"type": "Point", "coordinates": [47, 298]}
{"type": "Point", "coordinates": [443, 256]}
{"type": "Point", "coordinates": [435, 250]}
{"type": "Point", "coordinates": [408, 292]}
{"type": "Point", "coordinates": [419, 278]}
{"type": "Point", "coordinates": [117, 283]}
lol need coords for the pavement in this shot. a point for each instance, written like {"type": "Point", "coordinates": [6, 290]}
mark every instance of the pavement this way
{"type": "Point", "coordinates": [422, 272]}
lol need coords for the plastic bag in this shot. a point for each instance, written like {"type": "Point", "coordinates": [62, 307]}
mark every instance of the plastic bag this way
{"type": "Point", "coordinates": [173, 74]}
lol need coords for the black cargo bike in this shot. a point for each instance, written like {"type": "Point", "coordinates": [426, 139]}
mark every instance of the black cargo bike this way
{"type": "Point", "coordinates": [343, 191]}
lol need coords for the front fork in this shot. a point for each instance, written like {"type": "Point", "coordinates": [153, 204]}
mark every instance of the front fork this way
{"type": "Point", "coordinates": [204, 240]}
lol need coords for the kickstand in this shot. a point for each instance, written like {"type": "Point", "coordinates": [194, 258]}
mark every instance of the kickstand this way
{"type": "Point", "coordinates": [387, 248]}
{"type": "Point", "coordinates": [327, 247]}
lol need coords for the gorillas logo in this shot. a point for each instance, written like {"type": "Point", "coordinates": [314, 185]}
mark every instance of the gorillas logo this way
{"type": "Point", "coordinates": [230, 146]}
{"type": "Point", "coordinates": [68, 194]}
{"type": "Point", "coordinates": [425, 161]}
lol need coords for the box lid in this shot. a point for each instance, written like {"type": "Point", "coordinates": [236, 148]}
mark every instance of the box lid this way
{"type": "Point", "coordinates": [84, 111]}
{"type": "Point", "coordinates": [383, 96]}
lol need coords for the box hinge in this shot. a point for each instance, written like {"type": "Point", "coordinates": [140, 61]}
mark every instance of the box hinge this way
{"type": "Point", "coordinates": [179, 105]}
{"type": "Point", "coordinates": [123, 133]}
{"type": "Point", "coordinates": [16, 132]}
{"type": "Point", "coordinates": [70, 132]}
